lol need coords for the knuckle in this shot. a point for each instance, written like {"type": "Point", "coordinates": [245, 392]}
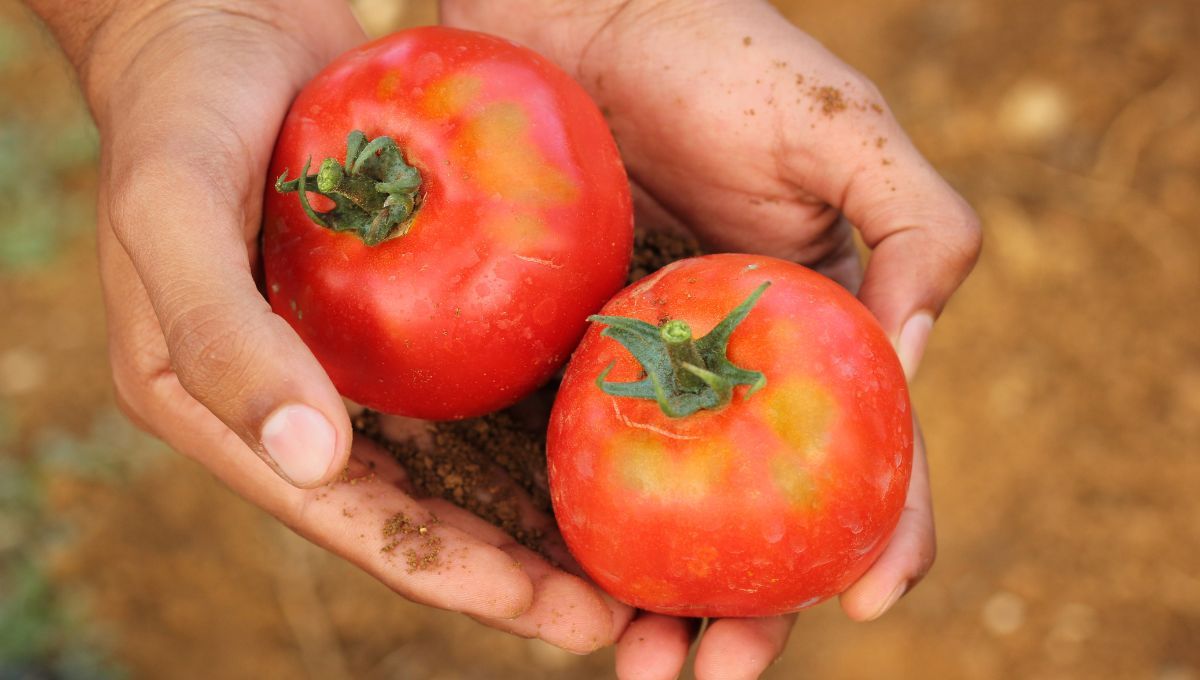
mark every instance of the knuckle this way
{"type": "Point", "coordinates": [140, 193]}
{"type": "Point", "coordinates": [161, 177]}
{"type": "Point", "coordinates": [211, 351]}
{"type": "Point", "coordinates": [926, 556]}
{"type": "Point", "coordinates": [870, 90]}
{"type": "Point", "coordinates": [965, 239]}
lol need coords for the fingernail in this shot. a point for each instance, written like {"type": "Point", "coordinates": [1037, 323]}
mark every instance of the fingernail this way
{"type": "Point", "coordinates": [891, 600]}
{"type": "Point", "coordinates": [301, 442]}
{"type": "Point", "coordinates": [910, 346]}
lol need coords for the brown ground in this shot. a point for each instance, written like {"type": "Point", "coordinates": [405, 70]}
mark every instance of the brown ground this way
{"type": "Point", "coordinates": [1060, 396]}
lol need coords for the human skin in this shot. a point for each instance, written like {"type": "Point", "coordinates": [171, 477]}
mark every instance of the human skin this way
{"type": "Point", "coordinates": [720, 136]}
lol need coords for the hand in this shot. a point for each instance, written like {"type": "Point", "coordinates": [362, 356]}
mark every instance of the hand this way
{"type": "Point", "coordinates": [738, 126]}
{"type": "Point", "coordinates": [188, 97]}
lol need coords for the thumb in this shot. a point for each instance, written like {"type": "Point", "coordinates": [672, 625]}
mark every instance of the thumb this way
{"type": "Point", "coordinates": [185, 235]}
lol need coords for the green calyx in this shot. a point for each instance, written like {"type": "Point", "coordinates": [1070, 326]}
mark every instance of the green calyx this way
{"type": "Point", "coordinates": [374, 192]}
{"type": "Point", "coordinates": [683, 375]}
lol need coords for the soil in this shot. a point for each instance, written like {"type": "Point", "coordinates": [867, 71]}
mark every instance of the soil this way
{"type": "Point", "coordinates": [472, 463]}
{"type": "Point", "coordinates": [1060, 396]}
{"type": "Point", "coordinates": [405, 532]}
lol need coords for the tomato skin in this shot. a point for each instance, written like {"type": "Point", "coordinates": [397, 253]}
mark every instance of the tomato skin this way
{"type": "Point", "coordinates": [524, 226]}
{"type": "Point", "coordinates": [768, 505]}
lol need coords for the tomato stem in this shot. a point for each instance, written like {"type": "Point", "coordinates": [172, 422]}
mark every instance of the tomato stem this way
{"type": "Point", "coordinates": [677, 336]}
{"type": "Point", "coordinates": [683, 375]}
{"type": "Point", "coordinates": [375, 193]}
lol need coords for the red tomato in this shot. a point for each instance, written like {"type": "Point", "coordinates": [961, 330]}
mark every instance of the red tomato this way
{"type": "Point", "coordinates": [515, 225]}
{"type": "Point", "coordinates": [768, 503]}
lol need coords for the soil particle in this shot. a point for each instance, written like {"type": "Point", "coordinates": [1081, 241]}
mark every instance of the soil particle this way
{"type": "Point", "coordinates": [423, 547]}
{"type": "Point", "coordinates": [830, 99]}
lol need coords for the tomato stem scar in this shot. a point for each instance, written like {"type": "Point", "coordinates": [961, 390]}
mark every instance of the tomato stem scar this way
{"type": "Point", "coordinates": [375, 193]}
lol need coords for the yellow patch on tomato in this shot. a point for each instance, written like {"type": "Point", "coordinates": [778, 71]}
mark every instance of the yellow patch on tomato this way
{"type": "Point", "coordinates": [784, 333]}
{"type": "Point", "coordinates": [800, 412]}
{"type": "Point", "coordinates": [645, 464]}
{"type": "Point", "coordinates": [520, 232]}
{"type": "Point", "coordinates": [504, 161]}
{"type": "Point", "coordinates": [451, 95]}
{"type": "Point", "coordinates": [387, 85]}
{"type": "Point", "coordinates": [793, 480]}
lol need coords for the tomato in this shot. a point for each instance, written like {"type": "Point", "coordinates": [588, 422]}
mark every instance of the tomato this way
{"type": "Point", "coordinates": [472, 211]}
{"type": "Point", "coordinates": [779, 474]}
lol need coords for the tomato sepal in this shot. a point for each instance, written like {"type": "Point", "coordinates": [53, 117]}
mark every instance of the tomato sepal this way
{"type": "Point", "coordinates": [682, 374]}
{"type": "Point", "coordinates": [374, 192]}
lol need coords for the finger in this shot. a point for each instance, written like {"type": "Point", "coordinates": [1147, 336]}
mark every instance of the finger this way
{"type": "Point", "coordinates": [737, 649]}
{"type": "Point", "coordinates": [909, 554]}
{"type": "Point", "coordinates": [368, 520]}
{"type": "Point", "coordinates": [567, 611]}
{"type": "Point", "coordinates": [923, 236]}
{"type": "Point", "coordinates": [654, 647]}
{"type": "Point", "coordinates": [183, 230]}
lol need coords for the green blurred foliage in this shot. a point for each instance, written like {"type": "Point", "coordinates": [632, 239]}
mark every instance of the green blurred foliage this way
{"type": "Point", "coordinates": [39, 209]}
{"type": "Point", "coordinates": [44, 627]}
{"type": "Point", "coordinates": [48, 148]}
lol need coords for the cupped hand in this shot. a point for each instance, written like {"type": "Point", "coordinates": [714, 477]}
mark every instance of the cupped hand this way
{"type": "Point", "coordinates": [188, 97]}
{"type": "Point", "coordinates": [744, 130]}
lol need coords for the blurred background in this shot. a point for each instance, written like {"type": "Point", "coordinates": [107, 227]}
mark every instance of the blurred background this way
{"type": "Point", "coordinates": [1060, 395]}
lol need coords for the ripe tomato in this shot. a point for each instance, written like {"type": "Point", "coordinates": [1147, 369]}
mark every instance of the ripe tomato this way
{"type": "Point", "coordinates": [783, 469]}
{"type": "Point", "coordinates": [498, 210]}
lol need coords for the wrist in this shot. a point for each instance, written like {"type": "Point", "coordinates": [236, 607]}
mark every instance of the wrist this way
{"type": "Point", "coordinates": [119, 47]}
{"type": "Point", "coordinates": [73, 24]}
{"type": "Point", "coordinates": [80, 28]}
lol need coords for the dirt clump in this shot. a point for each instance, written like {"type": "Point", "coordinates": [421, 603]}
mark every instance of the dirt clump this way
{"type": "Point", "coordinates": [830, 99]}
{"type": "Point", "coordinates": [424, 555]}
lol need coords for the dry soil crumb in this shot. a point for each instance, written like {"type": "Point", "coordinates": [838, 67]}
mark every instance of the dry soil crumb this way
{"type": "Point", "coordinates": [830, 99]}
{"type": "Point", "coordinates": [427, 549]}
